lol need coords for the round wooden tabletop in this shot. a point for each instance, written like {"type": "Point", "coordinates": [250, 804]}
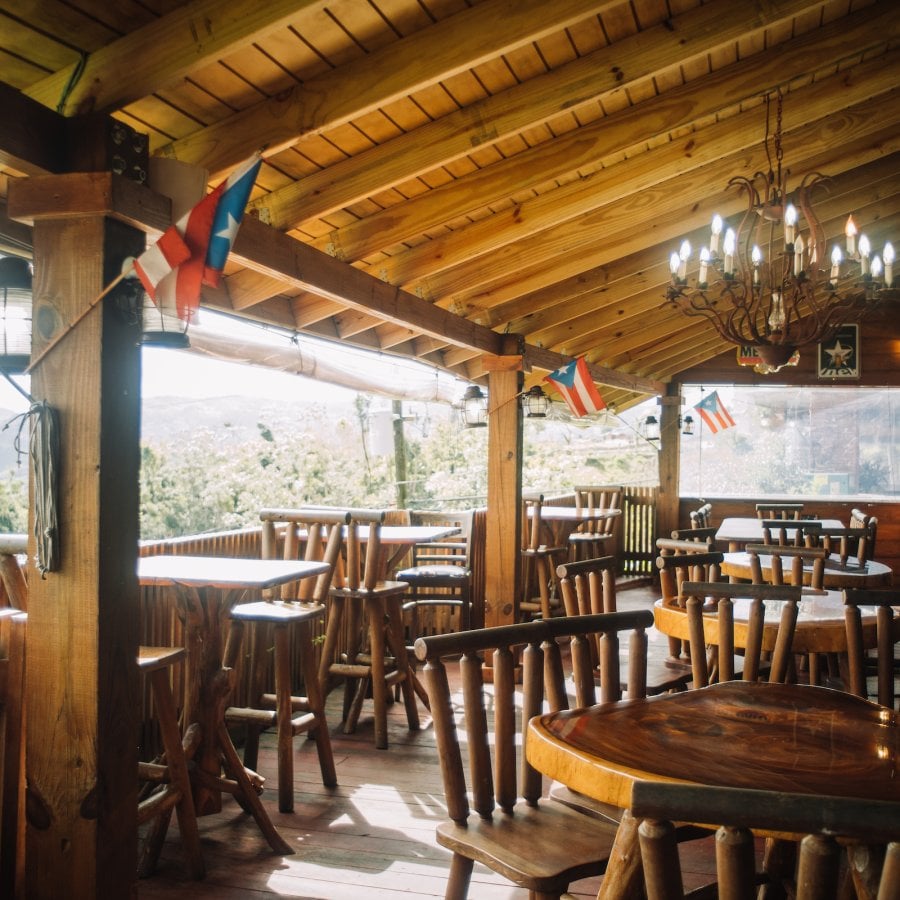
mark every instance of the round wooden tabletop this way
{"type": "Point", "coordinates": [872, 574]}
{"type": "Point", "coordinates": [820, 623]}
{"type": "Point", "coordinates": [777, 737]}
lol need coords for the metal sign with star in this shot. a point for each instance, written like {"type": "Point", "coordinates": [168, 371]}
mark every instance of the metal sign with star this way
{"type": "Point", "coordinates": [839, 356]}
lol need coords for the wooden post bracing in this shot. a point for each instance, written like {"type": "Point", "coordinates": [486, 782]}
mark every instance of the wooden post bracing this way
{"type": "Point", "coordinates": [82, 690]}
{"type": "Point", "coordinates": [669, 462]}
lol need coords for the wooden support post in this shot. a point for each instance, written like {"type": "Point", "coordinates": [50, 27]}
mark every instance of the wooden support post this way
{"type": "Point", "coordinates": [82, 689]}
{"type": "Point", "coordinates": [504, 485]}
{"type": "Point", "coordinates": [669, 461]}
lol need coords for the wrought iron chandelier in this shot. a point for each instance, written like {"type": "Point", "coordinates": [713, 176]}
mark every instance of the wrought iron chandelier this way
{"type": "Point", "coordinates": [769, 287]}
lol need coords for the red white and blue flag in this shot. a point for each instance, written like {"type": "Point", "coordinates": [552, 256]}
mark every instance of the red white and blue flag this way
{"type": "Point", "coordinates": [712, 412]}
{"type": "Point", "coordinates": [227, 220]}
{"type": "Point", "coordinates": [574, 383]}
{"type": "Point", "coordinates": [208, 230]}
{"type": "Point", "coordinates": [161, 259]}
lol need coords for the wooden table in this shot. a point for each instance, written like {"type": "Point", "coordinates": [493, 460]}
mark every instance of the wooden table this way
{"type": "Point", "coordinates": [820, 623]}
{"type": "Point", "coordinates": [207, 588]}
{"type": "Point", "coordinates": [776, 737]}
{"type": "Point", "coordinates": [872, 574]}
{"type": "Point", "coordinates": [739, 532]}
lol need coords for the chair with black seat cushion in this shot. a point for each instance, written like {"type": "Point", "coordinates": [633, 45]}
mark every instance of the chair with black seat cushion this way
{"type": "Point", "coordinates": [596, 537]}
{"type": "Point", "coordinates": [441, 572]}
{"type": "Point", "coordinates": [830, 826]}
{"type": "Point", "coordinates": [502, 820]}
{"type": "Point", "coordinates": [715, 633]}
{"type": "Point", "coordinates": [875, 675]}
{"type": "Point", "coordinates": [278, 621]}
{"type": "Point", "coordinates": [366, 615]}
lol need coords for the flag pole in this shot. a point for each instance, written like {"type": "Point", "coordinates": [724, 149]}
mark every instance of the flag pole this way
{"type": "Point", "coordinates": [74, 324]}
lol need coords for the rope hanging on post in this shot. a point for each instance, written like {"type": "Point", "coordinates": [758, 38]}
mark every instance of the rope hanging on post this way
{"type": "Point", "coordinates": [43, 451]}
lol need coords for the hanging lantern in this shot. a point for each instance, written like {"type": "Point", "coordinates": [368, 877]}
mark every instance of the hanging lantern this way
{"type": "Point", "coordinates": [651, 428]}
{"type": "Point", "coordinates": [687, 424]}
{"type": "Point", "coordinates": [535, 403]}
{"type": "Point", "coordinates": [162, 328]}
{"type": "Point", "coordinates": [474, 407]}
{"type": "Point", "coordinates": [15, 314]}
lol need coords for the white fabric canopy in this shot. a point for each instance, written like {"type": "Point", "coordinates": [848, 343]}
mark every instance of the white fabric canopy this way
{"type": "Point", "coordinates": [221, 337]}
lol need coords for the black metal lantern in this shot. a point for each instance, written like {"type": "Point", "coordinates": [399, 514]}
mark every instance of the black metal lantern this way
{"type": "Point", "coordinates": [162, 328]}
{"type": "Point", "coordinates": [474, 407]}
{"type": "Point", "coordinates": [16, 301]}
{"type": "Point", "coordinates": [535, 403]}
{"type": "Point", "coordinates": [651, 428]}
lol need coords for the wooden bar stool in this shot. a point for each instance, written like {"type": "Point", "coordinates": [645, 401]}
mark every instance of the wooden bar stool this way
{"type": "Point", "coordinates": [173, 789]}
{"type": "Point", "coordinates": [595, 538]}
{"type": "Point", "coordinates": [277, 619]}
{"type": "Point", "coordinates": [366, 614]}
{"type": "Point", "coordinates": [540, 561]}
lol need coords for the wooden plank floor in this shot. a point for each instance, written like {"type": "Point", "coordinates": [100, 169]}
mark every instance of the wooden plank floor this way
{"type": "Point", "coordinates": [372, 836]}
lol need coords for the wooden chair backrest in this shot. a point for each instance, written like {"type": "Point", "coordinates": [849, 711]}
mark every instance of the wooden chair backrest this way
{"type": "Point", "coordinates": [600, 496]}
{"type": "Point", "coordinates": [694, 597]}
{"type": "Point", "coordinates": [858, 660]}
{"type": "Point", "coordinates": [455, 549]}
{"type": "Point", "coordinates": [828, 823]}
{"type": "Point", "coordinates": [674, 546]}
{"type": "Point", "coordinates": [799, 557]}
{"type": "Point", "coordinates": [678, 568]}
{"type": "Point", "coordinates": [788, 532]}
{"type": "Point", "coordinates": [12, 761]}
{"type": "Point", "coordinates": [698, 535]}
{"type": "Point", "coordinates": [508, 777]}
{"type": "Point", "coordinates": [588, 586]}
{"type": "Point", "coordinates": [779, 510]}
{"type": "Point", "coordinates": [361, 558]}
{"type": "Point", "coordinates": [860, 519]}
{"type": "Point", "coordinates": [841, 543]}
{"type": "Point", "coordinates": [702, 517]}
{"type": "Point", "coordinates": [316, 535]}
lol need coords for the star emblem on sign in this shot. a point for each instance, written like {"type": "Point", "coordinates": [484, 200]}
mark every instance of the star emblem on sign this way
{"type": "Point", "coordinates": [840, 355]}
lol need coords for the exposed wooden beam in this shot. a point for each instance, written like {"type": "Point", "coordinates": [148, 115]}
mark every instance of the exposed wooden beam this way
{"type": "Point", "coordinates": [449, 46]}
{"type": "Point", "coordinates": [586, 146]}
{"type": "Point", "coordinates": [150, 58]}
{"type": "Point", "coordinates": [524, 105]}
{"type": "Point", "coordinates": [32, 138]}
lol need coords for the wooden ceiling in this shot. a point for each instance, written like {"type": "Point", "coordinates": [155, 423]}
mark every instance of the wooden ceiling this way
{"type": "Point", "coordinates": [445, 172]}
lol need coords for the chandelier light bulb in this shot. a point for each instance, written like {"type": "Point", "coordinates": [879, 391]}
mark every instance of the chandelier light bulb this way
{"type": "Point", "coordinates": [704, 264]}
{"type": "Point", "coordinates": [756, 259]}
{"type": "Point", "coordinates": [888, 256]}
{"type": "Point", "coordinates": [674, 263]}
{"type": "Point", "coordinates": [865, 249]}
{"type": "Point", "coordinates": [876, 267]}
{"type": "Point", "coordinates": [714, 233]}
{"type": "Point", "coordinates": [790, 223]}
{"type": "Point", "coordinates": [799, 248]}
{"type": "Point", "coordinates": [850, 233]}
{"type": "Point", "coordinates": [728, 247]}
{"type": "Point", "coordinates": [776, 312]}
{"type": "Point", "coordinates": [684, 254]}
{"type": "Point", "coordinates": [836, 259]}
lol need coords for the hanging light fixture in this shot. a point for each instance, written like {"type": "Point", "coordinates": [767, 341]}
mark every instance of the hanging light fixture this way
{"type": "Point", "coordinates": [162, 328]}
{"type": "Point", "coordinates": [765, 284]}
{"type": "Point", "coordinates": [651, 428]}
{"type": "Point", "coordinates": [535, 403]}
{"type": "Point", "coordinates": [686, 424]}
{"type": "Point", "coordinates": [474, 407]}
{"type": "Point", "coordinates": [15, 314]}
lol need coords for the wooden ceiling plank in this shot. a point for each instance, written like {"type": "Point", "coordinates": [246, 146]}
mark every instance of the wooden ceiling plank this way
{"type": "Point", "coordinates": [449, 46]}
{"type": "Point", "coordinates": [179, 43]}
{"type": "Point", "coordinates": [566, 154]}
{"type": "Point", "coordinates": [501, 274]}
{"type": "Point", "coordinates": [609, 187]}
{"type": "Point", "coordinates": [519, 108]}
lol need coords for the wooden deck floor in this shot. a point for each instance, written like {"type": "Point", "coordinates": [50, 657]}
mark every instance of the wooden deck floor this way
{"type": "Point", "coordinates": [372, 836]}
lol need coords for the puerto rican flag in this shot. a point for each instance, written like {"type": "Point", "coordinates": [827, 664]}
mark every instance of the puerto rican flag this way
{"type": "Point", "coordinates": [574, 383]}
{"type": "Point", "coordinates": [161, 259]}
{"type": "Point", "coordinates": [712, 412]}
{"type": "Point", "coordinates": [207, 228]}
